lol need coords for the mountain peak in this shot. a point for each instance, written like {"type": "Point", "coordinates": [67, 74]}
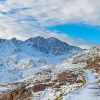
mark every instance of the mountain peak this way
{"type": "Point", "coordinates": [53, 39]}
{"type": "Point", "coordinates": [13, 39]}
{"type": "Point", "coordinates": [50, 45]}
{"type": "Point", "coordinates": [35, 38]}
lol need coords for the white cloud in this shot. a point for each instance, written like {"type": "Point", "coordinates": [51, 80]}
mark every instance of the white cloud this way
{"type": "Point", "coordinates": [72, 41]}
{"type": "Point", "coordinates": [26, 18]}
{"type": "Point", "coordinates": [48, 12]}
{"type": "Point", "coordinates": [60, 11]}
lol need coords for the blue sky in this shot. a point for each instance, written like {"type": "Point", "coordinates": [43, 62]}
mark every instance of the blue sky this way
{"type": "Point", "coordinates": [81, 31]}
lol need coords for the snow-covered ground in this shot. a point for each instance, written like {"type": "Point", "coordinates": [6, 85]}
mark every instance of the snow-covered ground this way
{"type": "Point", "coordinates": [51, 94]}
{"type": "Point", "coordinates": [91, 91]}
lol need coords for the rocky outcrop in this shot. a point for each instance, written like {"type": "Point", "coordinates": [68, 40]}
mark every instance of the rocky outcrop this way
{"type": "Point", "coordinates": [20, 93]}
{"type": "Point", "coordinates": [39, 87]}
{"type": "Point", "coordinates": [94, 64]}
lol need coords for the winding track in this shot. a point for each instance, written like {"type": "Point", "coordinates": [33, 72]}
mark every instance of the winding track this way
{"type": "Point", "coordinates": [91, 91]}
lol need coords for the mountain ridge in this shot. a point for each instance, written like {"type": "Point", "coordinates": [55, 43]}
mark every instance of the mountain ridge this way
{"type": "Point", "coordinates": [51, 45]}
{"type": "Point", "coordinates": [21, 57]}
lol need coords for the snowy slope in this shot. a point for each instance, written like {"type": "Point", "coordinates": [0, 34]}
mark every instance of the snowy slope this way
{"type": "Point", "coordinates": [41, 79]}
{"type": "Point", "coordinates": [81, 59]}
{"type": "Point", "coordinates": [20, 58]}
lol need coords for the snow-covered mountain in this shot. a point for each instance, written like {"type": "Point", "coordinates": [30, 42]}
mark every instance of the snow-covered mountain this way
{"type": "Point", "coordinates": [18, 58]}
{"type": "Point", "coordinates": [51, 46]}
{"type": "Point", "coordinates": [56, 81]}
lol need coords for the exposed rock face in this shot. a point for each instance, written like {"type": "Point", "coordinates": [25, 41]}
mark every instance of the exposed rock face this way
{"type": "Point", "coordinates": [39, 87]}
{"type": "Point", "coordinates": [94, 64]}
{"type": "Point", "coordinates": [18, 94]}
{"type": "Point", "coordinates": [64, 76]}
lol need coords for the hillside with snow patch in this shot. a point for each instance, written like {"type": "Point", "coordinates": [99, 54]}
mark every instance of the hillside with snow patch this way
{"type": "Point", "coordinates": [19, 59]}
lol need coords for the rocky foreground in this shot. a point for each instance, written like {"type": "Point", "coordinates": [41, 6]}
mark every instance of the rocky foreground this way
{"type": "Point", "coordinates": [65, 82]}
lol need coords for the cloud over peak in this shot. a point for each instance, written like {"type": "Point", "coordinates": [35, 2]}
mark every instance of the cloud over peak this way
{"type": "Point", "coordinates": [26, 18]}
